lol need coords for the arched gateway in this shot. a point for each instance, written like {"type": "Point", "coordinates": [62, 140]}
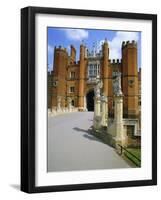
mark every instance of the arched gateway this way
{"type": "Point", "coordinates": [90, 100]}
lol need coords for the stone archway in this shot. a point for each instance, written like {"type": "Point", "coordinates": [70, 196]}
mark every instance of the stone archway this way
{"type": "Point", "coordinates": [90, 100]}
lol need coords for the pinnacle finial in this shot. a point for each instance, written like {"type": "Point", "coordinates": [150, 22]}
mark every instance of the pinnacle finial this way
{"type": "Point", "coordinates": [83, 43]}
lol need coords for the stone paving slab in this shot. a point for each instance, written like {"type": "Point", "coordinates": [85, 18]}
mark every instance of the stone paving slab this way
{"type": "Point", "coordinates": [71, 147]}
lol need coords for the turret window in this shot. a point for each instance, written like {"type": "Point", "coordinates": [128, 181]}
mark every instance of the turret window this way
{"type": "Point", "coordinates": [72, 89]}
{"type": "Point", "coordinates": [72, 75]}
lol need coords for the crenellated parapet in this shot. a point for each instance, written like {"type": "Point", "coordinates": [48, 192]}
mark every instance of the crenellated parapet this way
{"type": "Point", "coordinates": [115, 61]}
{"type": "Point", "coordinates": [60, 48]}
{"type": "Point", "coordinates": [128, 43]}
{"type": "Point", "coordinates": [73, 64]}
{"type": "Point", "coordinates": [115, 65]}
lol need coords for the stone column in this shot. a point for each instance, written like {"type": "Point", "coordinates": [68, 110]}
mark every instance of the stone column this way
{"type": "Point", "coordinates": [97, 106]}
{"type": "Point", "coordinates": [58, 104]}
{"type": "Point", "coordinates": [118, 120]}
{"type": "Point", "coordinates": [85, 103]}
{"type": "Point", "coordinates": [104, 111]}
{"type": "Point", "coordinates": [97, 113]}
{"type": "Point", "coordinates": [69, 104]}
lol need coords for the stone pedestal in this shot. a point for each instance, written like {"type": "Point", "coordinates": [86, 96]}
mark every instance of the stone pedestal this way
{"type": "Point", "coordinates": [104, 111]}
{"type": "Point", "coordinates": [97, 113]}
{"type": "Point", "coordinates": [58, 104]}
{"type": "Point", "coordinates": [118, 120]}
{"type": "Point", "coordinates": [69, 104]}
{"type": "Point", "coordinates": [85, 104]}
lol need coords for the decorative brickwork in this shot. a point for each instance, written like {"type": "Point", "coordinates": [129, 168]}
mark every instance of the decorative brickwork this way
{"type": "Point", "coordinates": [74, 80]}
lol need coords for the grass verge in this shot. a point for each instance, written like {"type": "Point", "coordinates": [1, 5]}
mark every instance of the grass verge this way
{"type": "Point", "coordinates": [137, 153]}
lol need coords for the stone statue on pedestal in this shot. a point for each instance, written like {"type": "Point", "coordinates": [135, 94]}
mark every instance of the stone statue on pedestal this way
{"type": "Point", "coordinates": [120, 137]}
{"type": "Point", "coordinates": [117, 84]}
{"type": "Point", "coordinates": [97, 104]}
{"type": "Point", "coordinates": [98, 87]}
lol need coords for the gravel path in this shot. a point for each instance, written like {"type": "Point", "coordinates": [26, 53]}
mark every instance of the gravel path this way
{"type": "Point", "coordinates": [71, 147]}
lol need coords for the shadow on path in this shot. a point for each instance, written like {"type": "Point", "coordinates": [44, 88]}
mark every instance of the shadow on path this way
{"type": "Point", "coordinates": [91, 137]}
{"type": "Point", "coordinates": [80, 130]}
{"type": "Point", "coordinates": [88, 134]}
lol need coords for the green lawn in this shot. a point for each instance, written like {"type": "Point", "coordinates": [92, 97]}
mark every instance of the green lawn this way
{"type": "Point", "coordinates": [136, 152]}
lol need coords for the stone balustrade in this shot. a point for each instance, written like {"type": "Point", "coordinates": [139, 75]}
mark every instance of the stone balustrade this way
{"type": "Point", "coordinates": [59, 111]}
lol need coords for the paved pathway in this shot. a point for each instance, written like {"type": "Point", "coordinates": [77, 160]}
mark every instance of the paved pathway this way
{"type": "Point", "coordinates": [71, 147]}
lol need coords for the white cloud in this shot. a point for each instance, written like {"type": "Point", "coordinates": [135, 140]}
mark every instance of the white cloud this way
{"type": "Point", "coordinates": [50, 49]}
{"type": "Point", "coordinates": [76, 34]}
{"type": "Point", "coordinates": [68, 49]}
{"type": "Point", "coordinates": [116, 43]}
{"type": "Point", "coordinates": [50, 67]}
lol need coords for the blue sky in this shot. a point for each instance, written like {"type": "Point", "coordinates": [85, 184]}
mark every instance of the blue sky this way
{"type": "Point", "coordinates": [67, 36]}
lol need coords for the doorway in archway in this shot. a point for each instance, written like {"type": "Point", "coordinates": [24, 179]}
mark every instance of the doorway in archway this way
{"type": "Point", "coordinates": [90, 100]}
